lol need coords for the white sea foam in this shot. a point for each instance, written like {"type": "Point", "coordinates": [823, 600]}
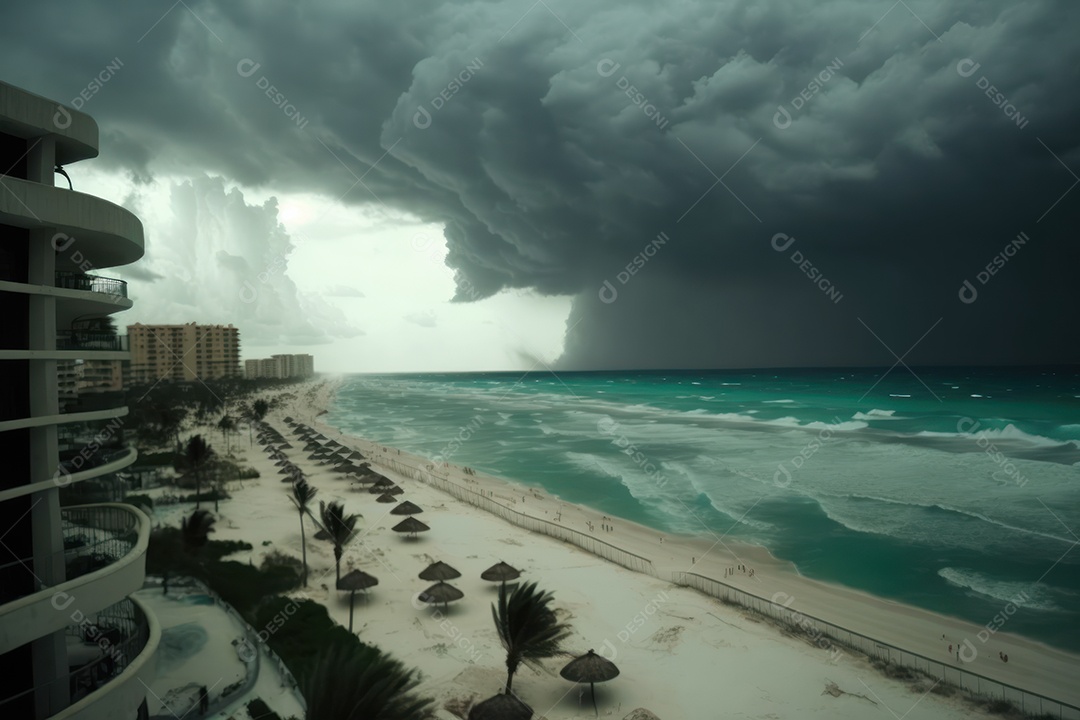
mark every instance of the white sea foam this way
{"type": "Point", "coordinates": [876, 414]}
{"type": "Point", "coordinates": [1023, 594]}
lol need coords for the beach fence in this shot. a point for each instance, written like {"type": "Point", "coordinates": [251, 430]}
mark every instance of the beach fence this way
{"type": "Point", "coordinates": [825, 635]}
{"type": "Point", "coordinates": [587, 542]}
{"type": "Point", "coordinates": [821, 632]}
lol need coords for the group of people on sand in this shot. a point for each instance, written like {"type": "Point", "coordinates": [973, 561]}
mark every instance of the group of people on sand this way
{"type": "Point", "coordinates": [1002, 656]}
{"type": "Point", "coordinates": [748, 571]}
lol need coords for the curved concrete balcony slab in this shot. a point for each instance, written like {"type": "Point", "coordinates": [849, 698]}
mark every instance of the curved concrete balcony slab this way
{"type": "Point", "coordinates": [90, 232]}
{"type": "Point", "coordinates": [121, 696]}
{"type": "Point", "coordinates": [26, 115]}
{"type": "Point", "coordinates": [51, 609]}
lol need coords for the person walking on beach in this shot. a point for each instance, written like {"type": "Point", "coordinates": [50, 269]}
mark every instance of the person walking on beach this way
{"type": "Point", "coordinates": [204, 700]}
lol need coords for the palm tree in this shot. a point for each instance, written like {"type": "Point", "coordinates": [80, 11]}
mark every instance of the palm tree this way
{"type": "Point", "coordinates": [197, 454]}
{"type": "Point", "coordinates": [194, 531]}
{"type": "Point", "coordinates": [527, 627]}
{"type": "Point", "coordinates": [226, 425]}
{"type": "Point", "coordinates": [260, 408]}
{"type": "Point", "coordinates": [338, 526]}
{"type": "Point", "coordinates": [302, 496]}
{"type": "Point", "coordinates": [352, 681]}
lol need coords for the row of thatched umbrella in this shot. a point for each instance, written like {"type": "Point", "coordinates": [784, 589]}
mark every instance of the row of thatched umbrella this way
{"type": "Point", "coordinates": [590, 667]}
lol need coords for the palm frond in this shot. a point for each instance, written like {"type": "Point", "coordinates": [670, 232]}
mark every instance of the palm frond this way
{"type": "Point", "coordinates": [351, 681]}
{"type": "Point", "coordinates": [528, 628]}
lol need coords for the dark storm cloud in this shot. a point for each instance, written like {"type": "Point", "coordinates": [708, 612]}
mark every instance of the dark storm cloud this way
{"type": "Point", "coordinates": [555, 146]}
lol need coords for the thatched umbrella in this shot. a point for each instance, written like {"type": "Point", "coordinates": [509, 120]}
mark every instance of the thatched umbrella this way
{"type": "Point", "coordinates": [500, 572]}
{"type": "Point", "coordinates": [590, 668]}
{"type": "Point", "coordinates": [284, 445]}
{"type": "Point", "coordinates": [501, 707]}
{"type": "Point", "coordinates": [354, 455]}
{"type": "Point", "coordinates": [439, 571]}
{"type": "Point", "coordinates": [407, 508]}
{"type": "Point", "coordinates": [353, 581]}
{"type": "Point", "coordinates": [393, 490]}
{"type": "Point", "coordinates": [410, 525]}
{"type": "Point", "coordinates": [384, 481]}
{"type": "Point", "coordinates": [440, 592]}
{"type": "Point", "coordinates": [386, 498]}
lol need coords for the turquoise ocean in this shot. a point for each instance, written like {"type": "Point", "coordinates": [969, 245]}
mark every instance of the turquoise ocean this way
{"type": "Point", "coordinates": [957, 490]}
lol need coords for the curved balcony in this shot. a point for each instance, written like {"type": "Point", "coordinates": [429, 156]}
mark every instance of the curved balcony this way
{"type": "Point", "coordinates": [108, 652]}
{"type": "Point", "coordinates": [104, 559]}
{"type": "Point", "coordinates": [91, 283]}
{"type": "Point", "coordinates": [114, 461]}
{"type": "Point", "coordinates": [92, 340]}
{"type": "Point", "coordinates": [26, 115]}
{"type": "Point", "coordinates": [87, 230]}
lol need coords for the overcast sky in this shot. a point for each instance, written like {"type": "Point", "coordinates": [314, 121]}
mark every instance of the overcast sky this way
{"type": "Point", "coordinates": [512, 185]}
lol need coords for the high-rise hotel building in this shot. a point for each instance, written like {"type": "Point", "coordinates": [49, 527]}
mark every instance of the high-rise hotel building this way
{"type": "Point", "coordinates": [73, 643]}
{"type": "Point", "coordinates": [182, 353]}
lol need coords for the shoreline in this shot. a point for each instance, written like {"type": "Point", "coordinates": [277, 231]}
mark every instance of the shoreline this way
{"type": "Point", "coordinates": [1036, 667]}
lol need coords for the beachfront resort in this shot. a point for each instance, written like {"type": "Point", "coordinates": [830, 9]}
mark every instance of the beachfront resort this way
{"type": "Point", "coordinates": [182, 541]}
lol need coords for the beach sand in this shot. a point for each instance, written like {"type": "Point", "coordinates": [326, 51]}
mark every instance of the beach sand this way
{"type": "Point", "coordinates": [681, 653]}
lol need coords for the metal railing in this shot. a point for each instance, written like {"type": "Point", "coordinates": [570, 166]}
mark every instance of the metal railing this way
{"type": "Point", "coordinates": [111, 638]}
{"type": "Point", "coordinates": [94, 537]}
{"type": "Point", "coordinates": [91, 340]}
{"type": "Point", "coordinates": [91, 283]}
{"type": "Point", "coordinates": [592, 544]}
{"type": "Point", "coordinates": [824, 634]}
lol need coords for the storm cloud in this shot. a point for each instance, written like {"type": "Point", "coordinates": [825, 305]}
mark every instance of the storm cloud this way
{"type": "Point", "coordinates": [716, 184]}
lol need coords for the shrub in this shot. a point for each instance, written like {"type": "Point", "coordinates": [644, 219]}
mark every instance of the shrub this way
{"type": "Point", "coordinates": [142, 501]}
{"type": "Point", "coordinates": [298, 630]}
{"type": "Point", "coordinates": [259, 710]}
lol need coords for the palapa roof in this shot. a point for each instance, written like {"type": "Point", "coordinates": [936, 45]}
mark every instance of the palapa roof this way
{"type": "Point", "coordinates": [439, 571]}
{"type": "Point", "coordinates": [441, 592]}
{"type": "Point", "coordinates": [590, 668]}
{"type": "Point", "coordinates": [357, 580]}
{"type": "Point", "coordinates": [386, 498]}
{"type": "Point", "coordinates": [500, 572]}
{"type": "Point", "coordinates": [410, 525]}
{"type": "Point", "coordinates": [501, 707]}
{"type": "Point", "coordinates": [407, 508]}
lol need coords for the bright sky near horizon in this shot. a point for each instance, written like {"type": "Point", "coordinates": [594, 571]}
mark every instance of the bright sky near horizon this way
{"type": "Point", "coordinates": [375, 291]}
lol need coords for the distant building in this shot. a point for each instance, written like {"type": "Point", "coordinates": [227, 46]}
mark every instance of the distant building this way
{"type": "Point", "coordinates": [78, 379]}
{"type": "Point", "coordinates": [280, 367]}
{"type": "Point", "coordinates": [182, 353]}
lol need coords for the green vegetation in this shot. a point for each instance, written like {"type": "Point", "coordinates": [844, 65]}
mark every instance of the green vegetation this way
{"type": "Point", "coordinates": [352, 681]}
{"type": "Point", "coordinates": [527, 626]}
{"type": "Point", "coordinates": [259, 710]}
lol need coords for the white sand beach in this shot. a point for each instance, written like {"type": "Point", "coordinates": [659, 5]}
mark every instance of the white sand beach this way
{"type": "Point", "coordinates": [681, 653]}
